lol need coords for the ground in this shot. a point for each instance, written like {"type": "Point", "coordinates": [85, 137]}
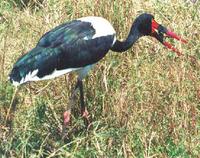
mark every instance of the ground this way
{"type": "Point", "coordinates": [142, 103]}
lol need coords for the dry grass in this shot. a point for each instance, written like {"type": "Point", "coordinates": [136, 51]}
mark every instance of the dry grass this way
{"type": "Point", "coordinates": [143, 103]}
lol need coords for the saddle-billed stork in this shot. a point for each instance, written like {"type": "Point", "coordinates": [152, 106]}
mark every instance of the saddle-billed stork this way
{"type": "Point", "coordinates": [78, 45]}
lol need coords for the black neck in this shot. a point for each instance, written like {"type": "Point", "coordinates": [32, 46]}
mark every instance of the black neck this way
{"type": "Point", "coordinates": [133, 36]}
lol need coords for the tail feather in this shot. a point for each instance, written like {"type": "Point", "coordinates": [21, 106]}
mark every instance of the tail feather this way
{"type": "Point", "coordinates": [32, 66]}
{"type": "Point", "coordinates": [15, 77]}
{"type": "Point", "coordinates": [23, 68]}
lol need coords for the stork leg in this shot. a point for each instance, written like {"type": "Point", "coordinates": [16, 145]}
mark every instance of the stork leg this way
{"type": "Point", "coordinates": [84, 111]}
{"type": "Point", "coordinates": [67, 113]}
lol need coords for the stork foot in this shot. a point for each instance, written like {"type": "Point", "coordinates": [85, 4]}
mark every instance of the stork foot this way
{"type": "Point", "coordinates": [66, 121]}
{"type": "Point", "coordinates": [66, 117]}
{"type": "Point", "coordinates": [85, 115]}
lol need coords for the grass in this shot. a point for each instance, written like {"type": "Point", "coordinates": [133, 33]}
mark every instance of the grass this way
{"type": "Point", "coordinates": [143, 103]}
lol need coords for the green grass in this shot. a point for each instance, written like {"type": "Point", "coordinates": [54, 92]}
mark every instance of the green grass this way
{"type": "Point", "coordinates": [142, 103]}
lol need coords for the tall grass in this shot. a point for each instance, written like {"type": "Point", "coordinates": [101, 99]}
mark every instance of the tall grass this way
{"type": "Point", "coordinates": [142, 103]}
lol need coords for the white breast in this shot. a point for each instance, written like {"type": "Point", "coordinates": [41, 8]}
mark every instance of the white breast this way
{"type": "Point", "coordinates": [102, 26]}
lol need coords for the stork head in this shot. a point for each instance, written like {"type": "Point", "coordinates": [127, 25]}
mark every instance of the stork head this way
{"type": "Point", "coordinates": [147, 26]}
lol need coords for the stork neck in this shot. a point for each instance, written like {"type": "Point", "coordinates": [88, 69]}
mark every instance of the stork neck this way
{"type": "Point", "coordinates": [121, 46]}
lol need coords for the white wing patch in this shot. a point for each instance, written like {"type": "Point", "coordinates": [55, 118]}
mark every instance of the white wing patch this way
{"type": "Point", "coordinates": [15, 83]}
{"type": "Point", "coordinates": [82, 72]}
{"type": "Point", "coordinates": [57, 73]}
{"type": "Point", "coordinates": [101, 26]}
{"type": "Point", "coordinates": [33, 76]}
{"type": "Point", "coordinates": [29, 77]}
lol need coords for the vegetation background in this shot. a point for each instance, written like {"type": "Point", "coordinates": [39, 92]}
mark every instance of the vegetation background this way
{"type": "Point", "coordinates": [142, 103]}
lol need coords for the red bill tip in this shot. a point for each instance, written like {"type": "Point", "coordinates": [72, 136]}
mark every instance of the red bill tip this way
{"type": "Point", "coordinates": [173, 35]}
{"type": "Point", "coordinates": [168, 45]}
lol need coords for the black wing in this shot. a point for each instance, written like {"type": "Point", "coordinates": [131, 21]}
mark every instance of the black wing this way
{"type": "Point", "coordinates": [69, 45]}
{"type": "Point", "coordinates": [67, 33]}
